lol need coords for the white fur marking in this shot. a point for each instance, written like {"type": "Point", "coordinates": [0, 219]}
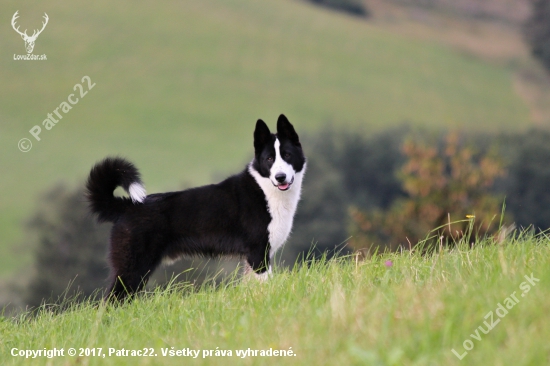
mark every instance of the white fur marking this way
{"type": "Point", "coordinates": [261, 277]}
{"type": "Point", "coordinates": [137, 192]}
{"type": "Point", "coordinates": [280, 204]}
{"type": "Point", "coordinates": [167, 261]}
{"type": "Point", "coordinates": [280, 166]}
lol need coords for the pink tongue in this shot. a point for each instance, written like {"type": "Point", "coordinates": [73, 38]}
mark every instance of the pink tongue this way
{"type": "Point", "coordinates": [283, 186]}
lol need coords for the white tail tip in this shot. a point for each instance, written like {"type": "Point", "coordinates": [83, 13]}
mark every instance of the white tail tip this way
{"type": "Point", "coordinates": [137, 192]}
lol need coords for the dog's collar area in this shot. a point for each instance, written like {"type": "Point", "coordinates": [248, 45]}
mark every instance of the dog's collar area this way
{"type": "Point", "coordinates": [284, 186]}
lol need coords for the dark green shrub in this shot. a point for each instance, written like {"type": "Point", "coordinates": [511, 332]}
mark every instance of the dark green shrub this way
{"type": "Point", "coordinates": [69, 248]}
{"type": "Point", "coordinates": [537, 31]}
{"type": "Point", "coordinates": [527, 186]}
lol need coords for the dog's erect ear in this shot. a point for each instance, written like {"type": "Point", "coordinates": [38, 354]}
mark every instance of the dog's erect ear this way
{"type": "Point", "coordinates": [262, 135]}
{"type": "Point", "coordinates": [286, 130]}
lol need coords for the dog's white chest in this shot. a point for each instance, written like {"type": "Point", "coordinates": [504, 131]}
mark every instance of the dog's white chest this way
{"type": "Point", "coordinates": [281, 206]}
{"type": "Point", "coordinates": [282, 210]}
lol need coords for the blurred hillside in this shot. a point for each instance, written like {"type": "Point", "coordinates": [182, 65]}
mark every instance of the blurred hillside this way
{"type": "Point", "coordinates": [179, 85]}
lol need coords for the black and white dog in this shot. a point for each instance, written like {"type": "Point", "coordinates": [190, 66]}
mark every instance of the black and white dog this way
{"type": "Point", "coordinates": [248, 215]}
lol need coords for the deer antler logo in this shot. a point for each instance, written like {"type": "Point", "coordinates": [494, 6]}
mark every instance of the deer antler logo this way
{"type": "Point", "coordinates": [29, 40]}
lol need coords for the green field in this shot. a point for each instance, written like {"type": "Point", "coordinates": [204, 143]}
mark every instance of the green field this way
{"type": "Point", "coordinates": [180, 84]}
{"type": "Point", "coordinates": [340, 312]}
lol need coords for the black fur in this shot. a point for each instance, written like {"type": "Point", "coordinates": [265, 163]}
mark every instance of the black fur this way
{"type": "Point", "coordinates": [228, 218]}
{"type": "Point", "coordinates": [104, 178]}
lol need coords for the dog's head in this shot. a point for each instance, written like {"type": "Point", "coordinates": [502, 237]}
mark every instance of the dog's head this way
{"type": "Point", "coordinates": [278, 157]}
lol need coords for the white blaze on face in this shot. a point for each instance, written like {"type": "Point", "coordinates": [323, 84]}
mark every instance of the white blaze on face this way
{"type": "Point", "coordinates": [281, 166]}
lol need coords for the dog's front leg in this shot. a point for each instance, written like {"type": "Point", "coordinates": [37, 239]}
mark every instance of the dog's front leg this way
{"type": "Point", "coordinates": [258, 274]}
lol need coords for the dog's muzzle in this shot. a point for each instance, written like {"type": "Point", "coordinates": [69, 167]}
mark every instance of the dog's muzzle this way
{"type": "Point", "coordinates": [284, 186]}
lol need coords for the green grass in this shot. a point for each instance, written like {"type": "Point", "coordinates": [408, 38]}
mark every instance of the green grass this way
{"type": "Point", "coordinates": [339, 312]}
{"type": "Point", "coordinates": [180, 84]}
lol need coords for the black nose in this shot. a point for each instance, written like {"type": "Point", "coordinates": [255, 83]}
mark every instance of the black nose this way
{"type": "Point", "coordinates": [280, 177]}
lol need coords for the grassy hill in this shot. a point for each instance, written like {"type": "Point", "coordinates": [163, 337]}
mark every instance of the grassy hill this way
{"type": "Point", "coordinates": [414, 312]}
{"type": "Point", "coordinates": [179, 85]}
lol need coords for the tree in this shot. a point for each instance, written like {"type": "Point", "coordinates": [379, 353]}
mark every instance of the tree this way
{"type": "Point", "coordinates": [354, 7]}
{"type": "Point", "coordinates": [444, 186]}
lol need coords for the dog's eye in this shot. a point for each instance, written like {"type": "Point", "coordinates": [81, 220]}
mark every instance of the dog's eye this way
{"type": "Point", "coordinates": [287, 155]}
{"type": "Point", "coordinates": [270, 159]}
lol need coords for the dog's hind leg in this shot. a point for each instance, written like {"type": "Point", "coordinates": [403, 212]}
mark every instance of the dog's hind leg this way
{"type": "Point", "coordinates": [126, 285]}
{"type": "Point", "coordinates": [130, 267]}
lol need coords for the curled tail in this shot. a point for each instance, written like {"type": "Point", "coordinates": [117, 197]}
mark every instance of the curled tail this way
{"type": "Point", "coordinates": [104, 178]}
